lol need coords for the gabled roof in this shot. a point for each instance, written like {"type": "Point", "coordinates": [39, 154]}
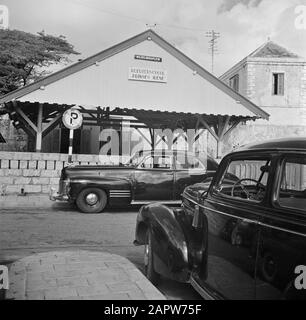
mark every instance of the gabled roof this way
{"type": "Point", "coordinates": [271, 49]}
{"type": "Point", "coordinates": [151, 35]}
{"type": "Point", "coordinates": [267, 50]}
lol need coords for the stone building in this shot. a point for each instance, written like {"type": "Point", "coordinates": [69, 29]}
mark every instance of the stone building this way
{"type": "Point", "coordinates": [274, 79]}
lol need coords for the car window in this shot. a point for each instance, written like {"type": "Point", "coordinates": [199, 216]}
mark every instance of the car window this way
{"type": "Point", "coordinates": [156, 162]}
{"type": "Point", "coordinates": [136, 159]}
{"type": "Point", "coordinates": [188, 162]}
{"type": "Point", "coordinates": [245, 179]}
{"type": "Point", "coordinates": [292, 189]}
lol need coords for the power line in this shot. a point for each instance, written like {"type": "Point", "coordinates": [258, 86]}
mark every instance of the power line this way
{"type": "Point", "coordinates": [213, 35]}
{"type": "Point", "coordinates": [139, 20]}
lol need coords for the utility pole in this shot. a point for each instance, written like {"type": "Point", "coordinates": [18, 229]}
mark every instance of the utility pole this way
{"type": "Point", "coordinates": [213, 35]}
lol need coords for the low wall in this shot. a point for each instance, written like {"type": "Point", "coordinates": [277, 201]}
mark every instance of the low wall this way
{"type": "Point", "coordinates": [35, 172]}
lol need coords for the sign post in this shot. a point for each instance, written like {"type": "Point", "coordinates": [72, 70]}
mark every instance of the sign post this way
{"type": "Point", "coordinates": [72, 119]}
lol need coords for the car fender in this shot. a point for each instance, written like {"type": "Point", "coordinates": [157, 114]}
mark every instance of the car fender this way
{"type": "Point", "coordinates": [169, 244]}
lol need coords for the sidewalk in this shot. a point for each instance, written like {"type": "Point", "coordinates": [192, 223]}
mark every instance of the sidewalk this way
{"type": "Point", "coordinates": [78, 275]}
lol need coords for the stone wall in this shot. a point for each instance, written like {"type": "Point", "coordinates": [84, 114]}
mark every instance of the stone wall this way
{"type": "Point", "coordinates": [253, 133]}
{"type": "Point", "coordinates": [16, 140]}
{"type": "Point", "coordinates": [35, 173]}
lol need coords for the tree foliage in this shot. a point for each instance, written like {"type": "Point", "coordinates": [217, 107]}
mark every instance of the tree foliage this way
{"type": "Point", "coordinates": [24, 57]}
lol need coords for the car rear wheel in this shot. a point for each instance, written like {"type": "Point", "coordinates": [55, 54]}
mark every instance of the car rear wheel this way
{"type": "Point", "coordinates": [91, 200]}
{"type": "Point", "coordinates": [150, 273]}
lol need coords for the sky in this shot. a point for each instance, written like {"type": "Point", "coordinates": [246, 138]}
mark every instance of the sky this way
{"type": "Point", "coordinates": [94, 25]}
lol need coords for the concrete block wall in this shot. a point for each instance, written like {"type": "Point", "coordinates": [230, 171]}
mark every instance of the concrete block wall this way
{"type": "Point", "coordinates": [35, 173]}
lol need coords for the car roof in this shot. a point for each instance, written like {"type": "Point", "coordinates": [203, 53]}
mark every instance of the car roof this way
{"type": "Point", "coordinates": [290, 144]}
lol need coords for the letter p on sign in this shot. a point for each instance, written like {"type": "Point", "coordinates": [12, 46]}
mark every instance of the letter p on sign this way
{"type": "Point", "coordinates": [4, 278]}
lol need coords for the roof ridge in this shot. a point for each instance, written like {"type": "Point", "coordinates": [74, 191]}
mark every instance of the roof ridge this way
{"type": "Point", "coordinates": [270, 45]}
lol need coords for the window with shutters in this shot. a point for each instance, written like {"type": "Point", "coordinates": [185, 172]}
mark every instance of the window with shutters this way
{"type": "Point", "coordinates": [234, 82]}
{"type": "Point", "coordinates": [278, 84]}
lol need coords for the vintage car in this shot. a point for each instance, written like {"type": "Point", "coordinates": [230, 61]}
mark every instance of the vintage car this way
{"type": "Point", "coordinates": [240, 234]}
{"type": "Point", "coordinates": [159, 175]}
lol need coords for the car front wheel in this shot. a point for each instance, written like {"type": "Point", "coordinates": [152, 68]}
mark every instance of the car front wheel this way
{"type": "Point", "coordinates": [150, 273]}
{"type": "Point", "coordinates": [91, 200]}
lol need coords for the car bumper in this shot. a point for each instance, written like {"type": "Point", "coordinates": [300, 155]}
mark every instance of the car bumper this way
{"type": "Point", "coordinates": [54, 196]}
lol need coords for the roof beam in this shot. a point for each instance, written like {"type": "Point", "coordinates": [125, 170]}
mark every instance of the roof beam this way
{"type": "Point", "coordinates": [24, 117]}
{"type": "Point", "coordinates": [205, 124]}
{"type": "Point", "coordinates": [232, 127]}
{"type": "Point", "coordinates": [52, 124]}
{"type": "Point", "coordinates": [223, 127]}
{"type": "Point", "coordinates": [149, 142]}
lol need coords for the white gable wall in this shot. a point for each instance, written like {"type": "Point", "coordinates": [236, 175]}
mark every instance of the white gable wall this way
{"type": "Point", "coordinates": [107, 85]}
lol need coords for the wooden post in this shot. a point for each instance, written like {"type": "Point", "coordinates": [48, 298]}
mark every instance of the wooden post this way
{"type": "Point", "coordinates": [70, 146]}
{"type": "Point", "coordinates": [219, 149]}
{"type": "Point", "coordinates": [39, 128]}
{"type": "Point", "coordinates": [152, 138]}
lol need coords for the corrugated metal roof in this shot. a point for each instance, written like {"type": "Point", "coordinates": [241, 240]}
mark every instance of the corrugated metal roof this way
{"type": "Point", "coordinates": [174, 120]}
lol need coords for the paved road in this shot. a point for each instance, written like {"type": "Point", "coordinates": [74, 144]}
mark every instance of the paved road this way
{"type": "Point", "coordinates": [27, 231]}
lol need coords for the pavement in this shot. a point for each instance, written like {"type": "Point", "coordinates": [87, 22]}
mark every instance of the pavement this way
{"type": "Point", "coordinates": [78, 275]}
{"type": "Point", "coordinates": [27, 230]}
{"type": "Point", "coordinates": [15, 201]}
{"type": "Point", "coordinates": [70, 270]}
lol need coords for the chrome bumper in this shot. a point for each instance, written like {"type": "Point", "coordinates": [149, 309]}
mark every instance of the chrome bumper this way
{"type": "Point", "coordinates": [54, 195]}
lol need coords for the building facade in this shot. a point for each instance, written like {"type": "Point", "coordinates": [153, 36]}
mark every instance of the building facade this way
{"type": "Point", "coordinates": [144, 79]}
{"type": "Point", "coordinates": [275, 79]}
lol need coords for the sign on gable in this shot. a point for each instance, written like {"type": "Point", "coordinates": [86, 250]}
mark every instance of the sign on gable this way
{"type": "Point", "coordinates": [145, 74]}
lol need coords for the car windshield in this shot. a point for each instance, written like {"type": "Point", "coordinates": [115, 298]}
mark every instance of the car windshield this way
{"type": "Point", "coordinates": [245, 179]}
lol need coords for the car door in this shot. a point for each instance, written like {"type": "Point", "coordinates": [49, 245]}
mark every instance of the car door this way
{"type": "Point", "coordinates": [282, 243]}
{"type": "Point", "coordinates": [188, 170]}
{"type": "Point", "coordinates": [231, 230]}
{"type": "Point", "coordinates": [154, 178]}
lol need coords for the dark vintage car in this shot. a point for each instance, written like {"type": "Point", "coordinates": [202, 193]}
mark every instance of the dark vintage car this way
{"type": "Point", "coordinates": [240, 234]}
{"type": "Point", "coordinates": [159, 175]}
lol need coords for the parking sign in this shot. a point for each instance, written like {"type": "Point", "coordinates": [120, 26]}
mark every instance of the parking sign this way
{"type": "Point", "coordinates": [72, 119]}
